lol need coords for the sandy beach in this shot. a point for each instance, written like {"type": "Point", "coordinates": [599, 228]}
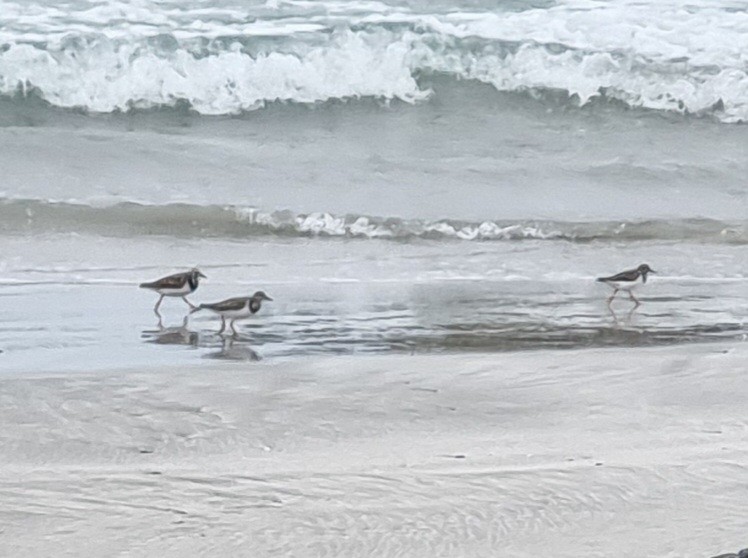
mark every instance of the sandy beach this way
{"type": "Point", "coordinates": [601, 452]}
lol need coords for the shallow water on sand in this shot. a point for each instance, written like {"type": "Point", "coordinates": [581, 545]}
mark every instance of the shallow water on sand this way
{"type": "Point", "coordinates": [356, 297]}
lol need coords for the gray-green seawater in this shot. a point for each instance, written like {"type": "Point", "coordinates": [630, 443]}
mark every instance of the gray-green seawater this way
{"type": "Point", "coordinates": [402, 176]}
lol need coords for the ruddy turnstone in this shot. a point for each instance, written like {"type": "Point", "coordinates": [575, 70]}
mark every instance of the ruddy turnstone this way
{"type": "Point", "coordinates": [627, 281]}
{"type": "Point", "coordinates": [233, 309]}
{"type": "Point", "coordinates": [179, 284]}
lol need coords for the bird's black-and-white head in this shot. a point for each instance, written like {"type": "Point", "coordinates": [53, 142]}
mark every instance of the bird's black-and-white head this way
{"type": "Point", "coordinates": [644, 269]}
{"type": "Point", "coordinates": [255, 301]}
{"type": "Point", "coordinates": [193, 277]}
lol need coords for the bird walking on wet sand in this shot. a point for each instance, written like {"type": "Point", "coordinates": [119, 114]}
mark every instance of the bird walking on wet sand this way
{"type": "Point", "coordinates": [179, 284]}
{"type": "Point", "coordinates": [627, 281]}
{"type": "Point", "coordinates": [233, 309]}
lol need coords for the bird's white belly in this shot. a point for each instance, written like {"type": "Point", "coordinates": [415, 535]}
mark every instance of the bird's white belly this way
{"type": "Point", "coordinates": [625, 285]}
{"type": "Point", "coordinates": [236, 314]}
{"type": "Point", "coordinates": [175, 292]}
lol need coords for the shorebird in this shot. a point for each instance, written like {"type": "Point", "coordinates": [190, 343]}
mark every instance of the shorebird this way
{"type": "Point", "coordinates": [233, 309]}
{"type": "Point", "coordinates": [179, 284]}
{"type": "Point", "coordinates": [627, 281]}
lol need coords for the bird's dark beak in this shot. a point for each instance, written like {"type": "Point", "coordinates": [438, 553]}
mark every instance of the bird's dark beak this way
{"type": "Point", "coordinates": [652, 271]}
{"type": "Point", "coordinates": [200, 273]}
{"type": "Point", "coordinates": [268, 298]}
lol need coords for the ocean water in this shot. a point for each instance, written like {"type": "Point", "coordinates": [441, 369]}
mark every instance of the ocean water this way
{"type": "Point", "coordinates": [402, 176]}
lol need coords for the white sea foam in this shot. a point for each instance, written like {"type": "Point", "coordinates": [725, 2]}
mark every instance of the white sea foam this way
{"type": "Point", "coordinates": [326, 224]}
{"type": "Point", "coordinates": [108, 76]}
{"type": "Point", "coordinates": [226, 59]}
{"type": "Point", "coordinates": [113, 218]}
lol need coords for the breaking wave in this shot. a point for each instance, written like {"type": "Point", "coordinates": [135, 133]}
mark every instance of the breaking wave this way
{"type": "Point", "coordinates": [224, 61]}
{"type": "Point", "coordinates": [184, 220]}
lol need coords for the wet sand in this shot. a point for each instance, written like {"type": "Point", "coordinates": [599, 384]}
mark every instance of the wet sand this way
{"type": "Point", "coordinates": [605, 452]}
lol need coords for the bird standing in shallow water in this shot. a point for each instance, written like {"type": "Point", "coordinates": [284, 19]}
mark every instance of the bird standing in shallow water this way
{"type": "Point", "coordinates": [233, 309]}
{"type": "Point", "coordinates": [627, 281]}
{"type": "Point", "coordinates": [179, 284]}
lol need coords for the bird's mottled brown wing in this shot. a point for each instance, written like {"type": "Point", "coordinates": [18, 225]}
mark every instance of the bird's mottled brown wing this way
{"type": "Point", "coordinates": [175, 281]}
{"type": "Point", "coordinates": [227, 305]}
{"type": "Point", "coordinates": [630, 275]}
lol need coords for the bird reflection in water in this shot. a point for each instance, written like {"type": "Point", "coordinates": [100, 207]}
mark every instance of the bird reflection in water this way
{"type": "Point", "coordinates": [231, 348]}
{"type": "Point", "coordinates": [234, 349]}
{"type": "Point", "coordinates": [622, 319]}
{"type": "Point", "coordinates": [171, 335]}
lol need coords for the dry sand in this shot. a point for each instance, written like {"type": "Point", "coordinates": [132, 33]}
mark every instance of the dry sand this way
{"type": "Point", "coordinates": [613, 453]}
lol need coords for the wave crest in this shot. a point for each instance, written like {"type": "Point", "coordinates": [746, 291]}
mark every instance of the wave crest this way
{"type": "Point", "coordinates": [105, 76]}
{"type": "Point", "coordinates": [226, 65]}
{"type": "Point", "coordinates": [184, 220]}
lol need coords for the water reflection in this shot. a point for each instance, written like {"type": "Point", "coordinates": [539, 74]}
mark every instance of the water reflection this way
{"type": "Point", "coordinates": [466, 316]}
{"type": "Point", "coordinates": [234, 348]}
{"type": "Point", "coordinates": [171, 336]}
{"type": "Point", "coordinates": [229, 348]}
{"type": "Point", "coordinates": [622, 319]}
